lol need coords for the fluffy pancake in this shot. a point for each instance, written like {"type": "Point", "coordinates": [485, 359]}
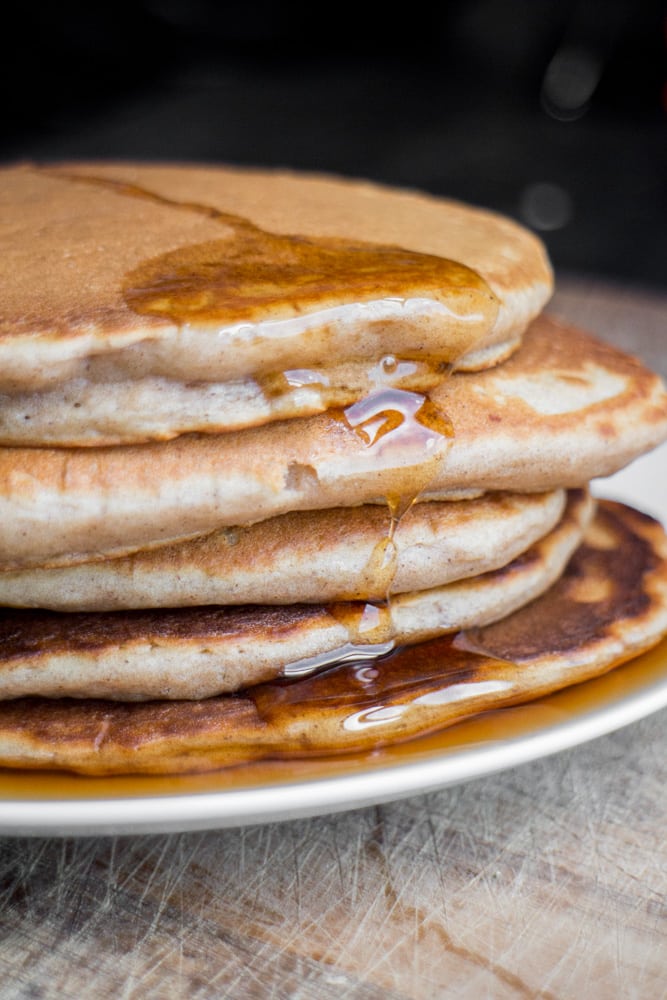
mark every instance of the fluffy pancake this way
{"type": "Point", "coordinates": [564, 409]}
{"type": "Point", "coordinates": [303, 557]}
{"type": "Point", "coordinates": [199, 652]}
{"type": "Point", "coordinates": [123, 285]}
{"type": "Point", "coordinates": [609, 605]}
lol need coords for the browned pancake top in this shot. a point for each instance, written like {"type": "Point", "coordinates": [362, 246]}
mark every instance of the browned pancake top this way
{"type": "Point", "coordinates": [36, 632]}
{"type": "Point", "coordinates": [94, 246]}
{"type": "Point", "coordinates": [604, 583]}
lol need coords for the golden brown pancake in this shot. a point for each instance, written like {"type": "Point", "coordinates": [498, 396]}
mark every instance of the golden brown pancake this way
{"type": "Point", "coordinates": [609, 605]}
{"type": "Point", "coordinates": [199, 652]}
{"type": "Point", "coordinates": [564, 409]}
{"type": "Point", "coordinates": [304, 557]}
{"type": "Point", "coordinates": [220, 298]}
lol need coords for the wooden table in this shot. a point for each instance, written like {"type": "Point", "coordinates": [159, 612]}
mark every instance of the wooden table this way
{"type": "Point", "coordinates": [548, 880]}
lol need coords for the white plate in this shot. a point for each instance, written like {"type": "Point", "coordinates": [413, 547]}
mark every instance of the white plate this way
{"type": "Point", "coordinates": [47, 804]}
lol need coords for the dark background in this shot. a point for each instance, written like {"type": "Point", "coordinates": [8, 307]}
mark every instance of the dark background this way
{"type": "Point", "coordinates": [552, 112]}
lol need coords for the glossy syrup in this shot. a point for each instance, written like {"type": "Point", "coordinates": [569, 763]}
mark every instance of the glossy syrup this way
{"type": "Point", "coordinates": [568, 635]}
{"type": "Point", "coordinates": [256, 274]}
{"type": "Point", "coordinates": [400, 421]}
{"type": "Point", "coordinates": [253, 272]}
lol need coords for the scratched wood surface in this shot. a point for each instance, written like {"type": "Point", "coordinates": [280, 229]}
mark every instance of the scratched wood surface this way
{"type": "Point", "coordinates": [549, 880]}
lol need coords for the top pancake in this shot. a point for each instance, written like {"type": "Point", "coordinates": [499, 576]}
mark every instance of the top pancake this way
{"type": "Point", "coordinates": [98, 260]}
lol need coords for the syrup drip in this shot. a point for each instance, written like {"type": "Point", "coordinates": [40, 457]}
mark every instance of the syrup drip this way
{"type": "Point", "coordinates": [297, 378]}
{"type": "Point", "coordinates": [566, 635]}
{"type": "Point", "coordinates": [344, 384]}
{"type": "Point", "coordinates": [356, 654]}
{"type": "Point", "coordinates": [362, 698]}
{"type": "Point", "coordinates": [390, 418]}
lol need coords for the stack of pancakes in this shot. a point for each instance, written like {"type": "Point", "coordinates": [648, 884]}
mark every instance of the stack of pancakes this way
{"type": "Point", "coordinates": [295, 465]}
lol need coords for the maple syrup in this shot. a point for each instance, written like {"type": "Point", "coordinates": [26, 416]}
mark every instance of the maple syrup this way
{"type": "Point", "coordinates": [264, 299]}
{"type": "Point", "coordinates": [259, 273]}
{"type": "Point", "coordinates": [570, 633]}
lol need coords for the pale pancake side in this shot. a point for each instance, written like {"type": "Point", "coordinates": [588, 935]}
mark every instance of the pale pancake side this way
{"type": "Point", "coordinates": [82, 413]}
{"type": "Point", "coordinates": [71, 234]}
{"type": "Point", "coordinates": [565, 409]}
{"type": "Point", "coordinates": [200, 652]}
{"type": "Point", "coordinates": [609, 605]}
{"type": "Point", "coordinates": [303, 557]}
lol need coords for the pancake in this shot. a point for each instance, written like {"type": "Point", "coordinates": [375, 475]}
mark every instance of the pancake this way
{"type": "Point", "coordinates": [303, 557]}
{"type": "Point", "coordinates": [609, 605]}
{"type": "Point", "coordinates": [235, 410]}
{"type": "Point", "coordinates": [125, 284]}
{"type": "Point", "coordinates": [564, 409]}
{"type": "Point", "coordinates": [200, 652]}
